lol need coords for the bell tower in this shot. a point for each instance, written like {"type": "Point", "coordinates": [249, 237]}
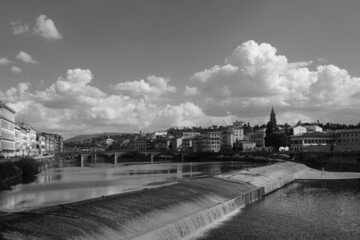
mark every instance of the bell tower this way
{"type": "Point", "coordinates": [273, 118]}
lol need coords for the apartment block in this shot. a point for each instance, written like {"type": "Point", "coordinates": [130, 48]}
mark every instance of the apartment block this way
{"type": "Point", "coordinates": [312, 141]}
{"type": "Point", "coordinates": [347, 139]}
{"type": "Point", "coordinates": [258, 137]}
{"type": "Point", "coordinates": [7, 130]}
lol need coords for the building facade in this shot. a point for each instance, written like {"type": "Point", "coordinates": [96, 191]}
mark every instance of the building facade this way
{"type": "Point", "coordinates": [190, 134]}
{"type": "Point", "coordinates": [258, 137]}
{"type": "Point", "coordinates": [312, 141]}
{"type": "Point", "coordinates": [207, 142]}
{"type": "Point", "coordinates": [229, 137]}
{"type": "Point", "coordinates": [347, 140]}
{"type": "Point", "coordinates": [49, 143]}
{"type": "Point", "coordinates": [7, 130]}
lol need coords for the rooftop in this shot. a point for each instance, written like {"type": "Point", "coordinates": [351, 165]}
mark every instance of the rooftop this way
{"type": "Point", "coordinates": [3, 105]}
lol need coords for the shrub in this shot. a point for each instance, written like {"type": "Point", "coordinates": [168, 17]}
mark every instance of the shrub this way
{"type": "Point", "coordinates": [8, 170]}
{"type": "Point", "coordinates": [29, 167]}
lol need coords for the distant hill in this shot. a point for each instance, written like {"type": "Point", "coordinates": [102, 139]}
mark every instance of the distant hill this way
{"type": "Point", "coordinates": [84, 137]}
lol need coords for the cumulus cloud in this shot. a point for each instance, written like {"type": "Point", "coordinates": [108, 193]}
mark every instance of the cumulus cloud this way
{"type": "Point", "coordinates": [19, 28]}
{"type": "Point", "coordinates": [4, 61]}
{"type": "Point", "coordinates": [255, 77]}
{"type": "Point", "coordinates": [71, 105]}
{"type": "Point", "coordinates": [186, 115]}
{"type": "Point", "coordinates": [25, 57]}
{"type": "Point", "coordinates": [245, 86]}
{"type": "Point", "coordinates": [191, 91]}
{"type": "Point", "coordinates": [153, 86]}
{"type": "Point", "coordinates": [15, 69]}
{"type": "Point", "coordinates": [45, 27]}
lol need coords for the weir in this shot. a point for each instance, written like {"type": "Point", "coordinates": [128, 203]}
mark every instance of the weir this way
{"type": "Point", "coordinates": [176, 211]}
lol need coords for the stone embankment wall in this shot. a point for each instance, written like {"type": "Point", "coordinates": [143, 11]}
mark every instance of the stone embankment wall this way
{"type": "Point", "coordinates": [336, 161]}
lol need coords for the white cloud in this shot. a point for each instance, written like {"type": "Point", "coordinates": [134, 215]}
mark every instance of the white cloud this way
{"type": "Point", "coordinates": [191, 91]}
{"type": "Point", "coordinates": [15, 69]}
{"type": "Point", "coordinates": [254, 78]}
{"type": "Point", "coordinates": [19, 28]}
{"type": "Point", "coordinates": [153, 86]}
{"type": "Point", "coordinates": [186, 115]}
{"type": "Point", "coordinates": [45, 27]}
{"type": "Point", "coordinates": [72, 106]}
{"type": "Point", "coordinates": [245, 86]}
{"type": "Point", "coordinates": [4, 61]}
{"type": "Point", "coordinates": [25, 57]}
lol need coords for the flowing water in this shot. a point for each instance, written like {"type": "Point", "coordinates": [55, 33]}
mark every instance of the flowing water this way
{"type": "Point", "coordinates": [302, 210]}
{"type": "Point", "coordinates": [68, 184]}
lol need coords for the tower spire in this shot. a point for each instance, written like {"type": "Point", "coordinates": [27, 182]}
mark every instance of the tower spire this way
{"type": "Point", "coordinates": [273, 117]}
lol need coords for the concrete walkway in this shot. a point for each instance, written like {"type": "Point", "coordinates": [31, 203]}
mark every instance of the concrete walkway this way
{"type": "Point", "coordinates": [263, 175]}
{"type": "Point", "coordinates": [313, 174]}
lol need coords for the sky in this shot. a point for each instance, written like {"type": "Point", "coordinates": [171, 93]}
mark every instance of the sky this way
{"type": "Point", "coordinates": [79, 67]}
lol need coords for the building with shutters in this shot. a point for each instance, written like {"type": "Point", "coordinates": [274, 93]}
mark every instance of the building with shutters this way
{"type": "Point", "coordinates": [7, 130]}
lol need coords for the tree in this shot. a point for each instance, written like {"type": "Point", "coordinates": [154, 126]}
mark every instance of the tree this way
{"type": "Point", "coordinates": [277, 139]}
{"type": "Point", "coordinates": [237, 146]}
{"type": "Point", "coordinates": [287, 130]}
{"type": "Point", "coordinates": [269, 131]}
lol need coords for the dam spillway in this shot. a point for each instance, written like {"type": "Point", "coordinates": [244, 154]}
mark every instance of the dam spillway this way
{"type": "Point", "coordinates": [169, 212]}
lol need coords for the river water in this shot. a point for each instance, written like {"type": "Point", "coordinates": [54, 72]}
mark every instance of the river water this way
{"type": "Point", "coordinates": [302, 210]}
{"type": "Point", "coordinates": [68, 184]}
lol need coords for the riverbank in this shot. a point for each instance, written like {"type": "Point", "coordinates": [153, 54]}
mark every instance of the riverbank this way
{"type": "Point", "coordinates": [169, 212]}
{"type": "Point", "coordinates": [23, 170]}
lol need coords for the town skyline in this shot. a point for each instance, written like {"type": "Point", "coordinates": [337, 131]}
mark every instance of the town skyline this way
{"type": "Point", "coordinates": [149, 65]}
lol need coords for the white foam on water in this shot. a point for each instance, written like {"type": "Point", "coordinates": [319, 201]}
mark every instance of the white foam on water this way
{"type": "Point", "coordinates": [204, 231]}
{"type": "Point", "coordinates": [195, 225]}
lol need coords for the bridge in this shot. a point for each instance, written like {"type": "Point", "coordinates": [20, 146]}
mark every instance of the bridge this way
{"type": "Point", "coordinates": [119, 156]}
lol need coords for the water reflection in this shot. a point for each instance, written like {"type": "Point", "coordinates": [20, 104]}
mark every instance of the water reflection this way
{"type": "Point", "coordinates": [303, 210]}
{"type": "Point", "coordinates": [68, 184]}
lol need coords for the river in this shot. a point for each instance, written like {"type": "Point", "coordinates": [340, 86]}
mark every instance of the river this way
{"type": "Point", "coordinates": [68, 184]}
{"type": "Point", "coordinates": [302, 210]}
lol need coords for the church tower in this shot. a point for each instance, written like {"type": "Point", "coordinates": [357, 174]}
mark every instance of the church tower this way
{"type": "Point", "coordinates": [273, 118]}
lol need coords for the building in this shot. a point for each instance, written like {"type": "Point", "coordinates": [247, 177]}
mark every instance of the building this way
{"type": "Point", "coordinates": [49, 143]}
{"type": "Point", "coordinates": [238, 124]}
{"type": "Point", "coordinates": [139, 144]}
{"type": "Point", "coordinates": [7, 130]}
{"type": "Point", "coordinates": [299, 130]}
{"type": "Point", "coordinates": [27, 140]}
{"type": "Point", "coordinates": [190, 134]}
{"type": "Point", "coordinates": [244, 146]}
{"type": "Point", "coordinates": [229, 137]}
{"type": "Point", "coordinates": [207, 142]}
{"type": "Point", "coordinates": [18, 144]}
{"type": "Point", "coordinates": [176, 144]}
{"type": "Point", "coordinates": [40, 144]}
{"type": "Point", "coordinates": [347, 139]}
{"type": "Point", "coordinates": [162, 144]}
{"type": "Point", "coordinates": [213, 141]}
{"type": "Point", "coordinates": [312, 141]}
{"type": "Point", "coordinates": [313, 128]}
{"type": "Point", "coordinates": [160, 134]}
{"type": "Point", "coordinates": [187, 144]}
{"type": "Point", "coordinates": [258, 137]}
{"type": "Point", "coordinates": [109, 141]}
{"type": "Point", "coordinates": [273, 118]}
